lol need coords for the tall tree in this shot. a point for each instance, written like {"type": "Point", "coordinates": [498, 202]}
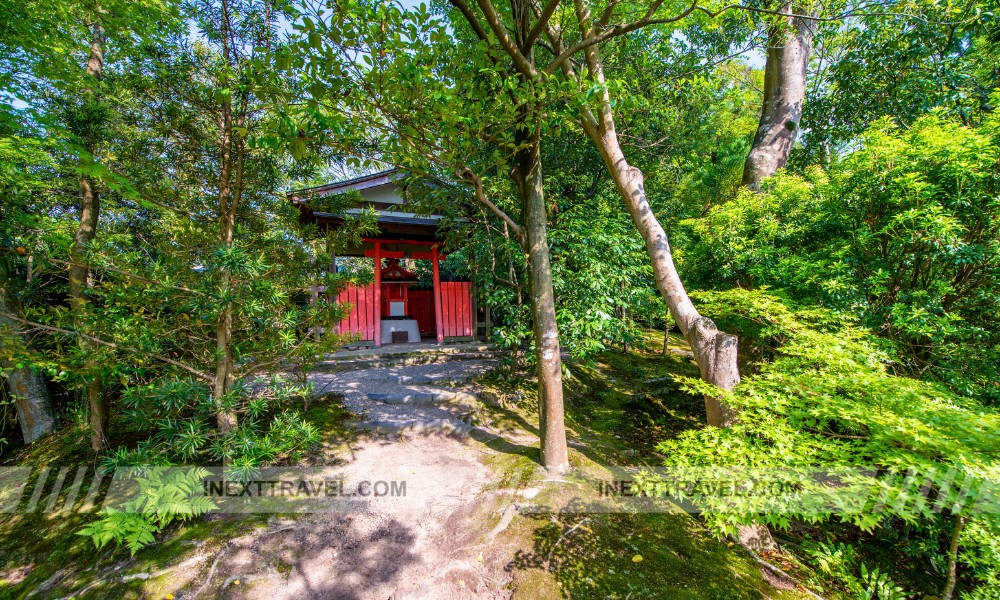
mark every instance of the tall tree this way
{"type": "Point", "coordinates": [232, 154]}
{"type": "Point", "coordinates": [441, 113]}
{"type": "Point", "coordinates": [789, 42]}
{"type": "Point", "coordinates": [90, 211]}
{"type": "Point", "coordinates": [715, 351]}
{"type": "Point", "coordinates": [527, 174]}
{"type": "Point", "coordinates": [45, 42]}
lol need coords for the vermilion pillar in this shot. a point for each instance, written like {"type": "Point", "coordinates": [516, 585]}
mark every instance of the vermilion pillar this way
{"type": "Point", "coordinates": [378, 293]}
{"type": "Point", "coordinates": [437, 296]}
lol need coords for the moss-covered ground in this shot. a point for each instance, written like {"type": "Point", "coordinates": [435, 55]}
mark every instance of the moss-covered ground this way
{"type": "Point", "coordinates": [619, 406]}
{"type": "Point", "coordinates": [42, 555]}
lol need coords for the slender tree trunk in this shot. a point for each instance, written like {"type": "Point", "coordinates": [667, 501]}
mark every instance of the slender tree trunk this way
{"type": "Point", "coordinates": [527, 174]}
{"type": "Point", "coordinates": [949, 588]}
{"type": "Point", "coordinates": [79, 271]}
{"type": "Point", "coordinates": [31, 396]}
{"type": "Point", "coordinates": [475, 302]}
{"type": "Point", "coordinates": [714, 350]}
{"type": "Point", "coordinates": [225, 419]}
{"type": "Point", "coordinates": [230, 166]}
{"type": "Point", "coordinates": [552, 428]}
{"type": "Point", "coordinates": [331, 296]}
{"type": "Point", "coordinates": [789, 44]}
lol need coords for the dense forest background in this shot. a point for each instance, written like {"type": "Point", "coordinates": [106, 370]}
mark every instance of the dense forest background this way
{"type": "Point", "coordinates": [153, 271]}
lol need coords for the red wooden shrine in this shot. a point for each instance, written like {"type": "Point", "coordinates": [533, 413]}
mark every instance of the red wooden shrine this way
{"type": "Point", "coordinates": [446, 311]}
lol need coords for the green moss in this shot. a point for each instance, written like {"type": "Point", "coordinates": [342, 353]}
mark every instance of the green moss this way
{"type": "Point", "coordinates": [49, 545]}
{"type": "Point", "coordinates": [618, 407]}
{"type": "Point", "coordinates": [513, 471]}
{"type": "Point", "coordinates": [640, 556]}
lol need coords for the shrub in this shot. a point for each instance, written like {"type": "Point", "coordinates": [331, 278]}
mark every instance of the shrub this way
{"type": "Point", "coordinates": [891, 448]}
{"type": "Point", "coordinates": [901, 235]}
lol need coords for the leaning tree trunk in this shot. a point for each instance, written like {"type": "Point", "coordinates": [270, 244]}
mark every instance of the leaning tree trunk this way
{"type": "Point", "coordinates": [79, 271]}
{"type": "Point", "coordinates": [789, 44]}
{"type": "Point", "coordinates": [31, 396]}
{"type": "Point", "coordinates": [715, 351]}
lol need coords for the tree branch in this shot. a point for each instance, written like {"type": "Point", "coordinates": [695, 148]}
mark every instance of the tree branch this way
{"type": "Point", "coordinates": [466, 175]}
{"type": "Point", "coordinates": [540, 25]}
{"type": "Point", "coordinates": [111, 345]}
{"type": "Point", "coordinates": [618, 30]}
{"type": "Point", "coordinates": [127, 274]}
{"type": "Point", "coordinates": [493, 20]}
{"type": "Point", "coordinates": [647, 20]}
{"type": "Point", "coordinates": [473, 20]}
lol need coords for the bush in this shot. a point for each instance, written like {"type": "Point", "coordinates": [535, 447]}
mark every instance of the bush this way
{"type": "Point", "coordinates": [901, 235]}
{"type": "Point", "coordinates": [890, 448]}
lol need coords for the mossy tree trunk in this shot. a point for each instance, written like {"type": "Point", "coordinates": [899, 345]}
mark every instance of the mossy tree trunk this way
{"type": "Point", "coordinates": [79, 271]}
{"type": "Point", "coordinates": [31, 395]}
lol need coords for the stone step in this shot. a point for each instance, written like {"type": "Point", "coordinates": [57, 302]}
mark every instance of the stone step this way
{"type": "Point", "coordinates": [423, 379]}
{"type": "Point", "coordinates": [396, 360]}
{"type": "Point", "coordinates": [449, 427]}
{"type": "Point", "coordinates": [423, 397]}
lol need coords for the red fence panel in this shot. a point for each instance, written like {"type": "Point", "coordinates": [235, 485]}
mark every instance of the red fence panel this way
{"type": "Point", "coordinates": [361, 318]}
{"type": "Point", "coordinates": [456, 308]}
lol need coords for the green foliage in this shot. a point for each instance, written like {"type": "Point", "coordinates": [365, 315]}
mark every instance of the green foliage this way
{"type": "Point", "coordinates": [840, 564]}
{"type": "Point", "coordinates": [183, 413]}
{"type": "Point", "coordinates": [981, 541]}
{"type": "Point", "coordinates": [162, 497]}
{"type": "Point", "coordinates": [900, 235]}
{"type": "Point", "coordinates": [916, 56]}
{"type": "Point", "coordinates": [825, 403]}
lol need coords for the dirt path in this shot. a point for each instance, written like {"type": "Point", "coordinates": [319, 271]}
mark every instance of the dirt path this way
{"type": "Point", "coordinates": [432, 543]}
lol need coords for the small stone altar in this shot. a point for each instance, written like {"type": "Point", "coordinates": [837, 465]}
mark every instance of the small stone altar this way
{"type": "Point", "coordinates": [407, 325]}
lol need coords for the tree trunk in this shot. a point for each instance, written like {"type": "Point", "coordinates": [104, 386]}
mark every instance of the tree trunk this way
{"type": "Point", "coordinates": [32, 402]}
{"type": "Point", "coordinates": [228, 201]}
{"type": "Point", "coordinates": [31, 395]}
{"type": "Point", "coordinates": [527, 174]}
{"type": "Point", "coordinates": [789, 44]}
{"type": "Point", "coordinates": [79, 271]}
{"type": "Point", "coordinates": [225, 419]}
{"type": "Point", "coordinates": [551, 424]}
{"type": "Point", "coordinates": [715, 351]}
{"type": "Point", "coordinates": [949, 588]}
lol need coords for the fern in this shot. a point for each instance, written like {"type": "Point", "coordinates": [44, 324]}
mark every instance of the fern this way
{"type": "Point", "coordinates": [164, 496]}
{"type": "Point", "coordinates": [840, 564]}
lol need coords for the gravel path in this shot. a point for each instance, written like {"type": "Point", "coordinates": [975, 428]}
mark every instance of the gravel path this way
{"type": "Point", "coordinates": [379, 415]}
{"type": "Point", "coordinates": [435, 543]}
